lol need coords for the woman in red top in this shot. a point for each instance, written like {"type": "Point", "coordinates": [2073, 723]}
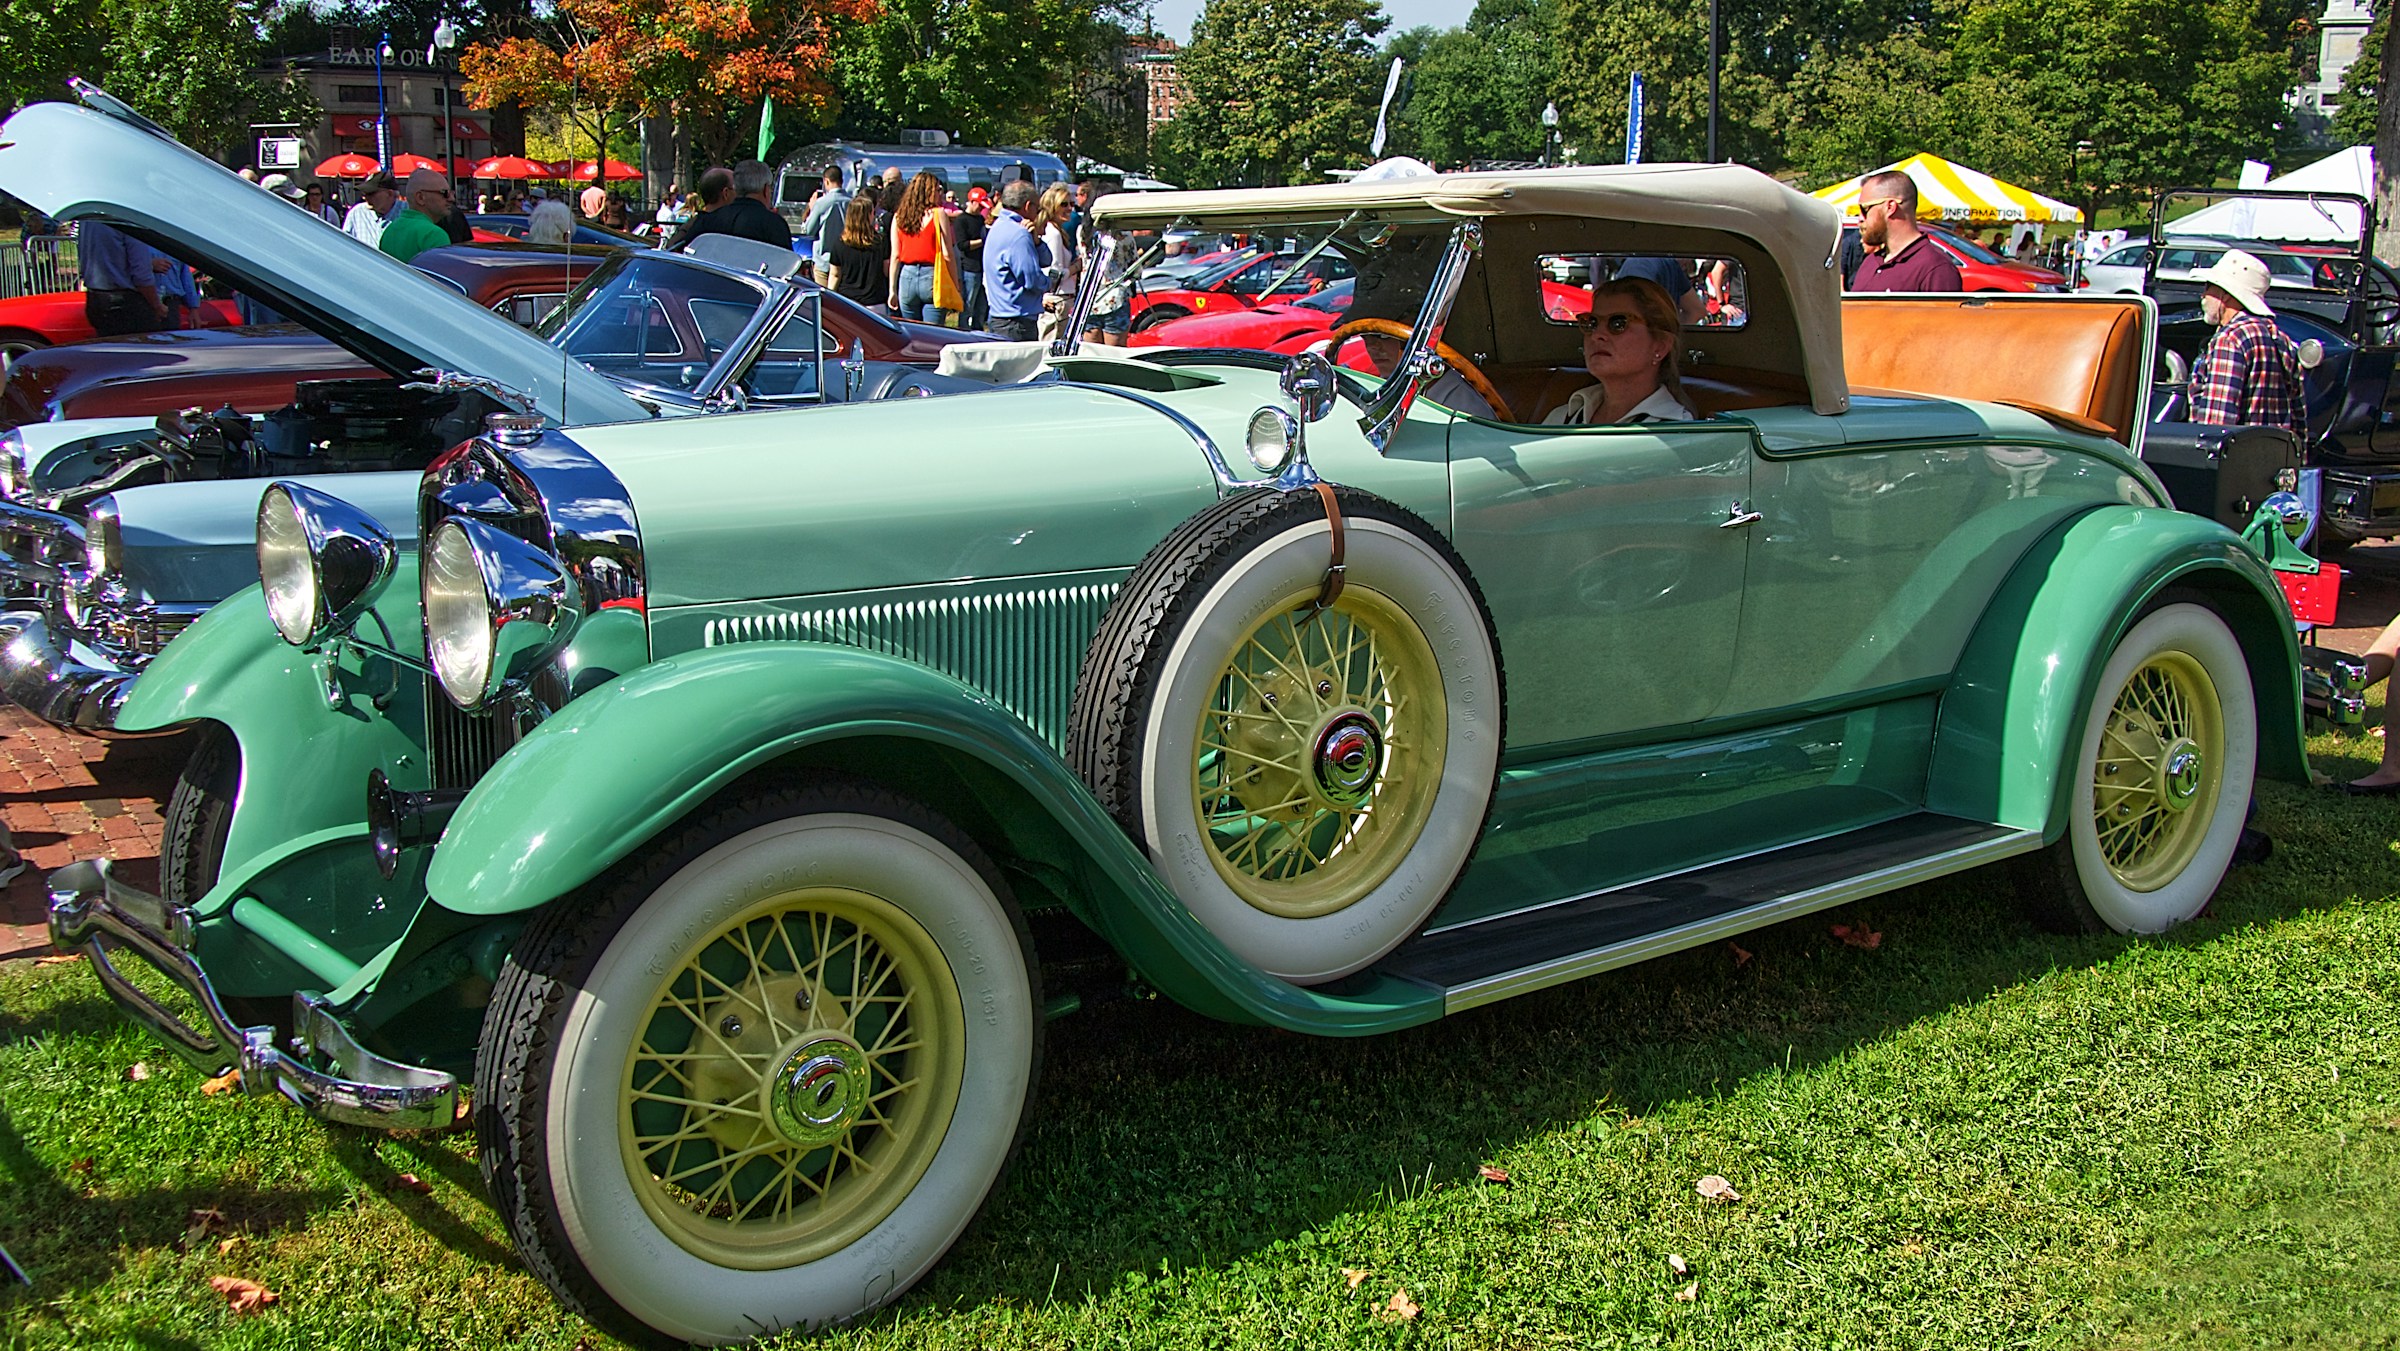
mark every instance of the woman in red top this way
{"type": "Point", "coordinates": [919, 232]}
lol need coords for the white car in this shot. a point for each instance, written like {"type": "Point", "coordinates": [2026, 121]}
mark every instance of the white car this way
{"type": "Point", "coordinates": [2120, 270]}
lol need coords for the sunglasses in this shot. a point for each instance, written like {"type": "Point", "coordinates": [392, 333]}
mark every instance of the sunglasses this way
{"type": "Point", "coordinates": [1865, 207]}
{"type": "Point", "coordinates": [1614, 323]}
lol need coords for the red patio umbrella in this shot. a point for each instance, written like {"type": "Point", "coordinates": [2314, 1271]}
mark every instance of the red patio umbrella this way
{"type": "Point", "coordinates": [512, 166]}
{"type": "Point", "coordinates": [404, 164]}
{"type": "Point", "coordinates": [348, 166]}
{"type": "Point", "coordinates": [591, 171]}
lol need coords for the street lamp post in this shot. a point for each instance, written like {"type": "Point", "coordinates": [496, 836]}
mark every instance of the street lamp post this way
{"type": "Point", "coordinates": [383, 111]}
{"type": "Point", "coordinates": [445, 40]}
{"type": "Point", "coordinates": [1549, 130]}
{"type": "Point", "coordinates": [1714, 42]}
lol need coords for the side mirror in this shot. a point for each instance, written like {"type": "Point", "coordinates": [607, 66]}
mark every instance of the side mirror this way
{"type": "Point", "coordinates": [1308, 381]}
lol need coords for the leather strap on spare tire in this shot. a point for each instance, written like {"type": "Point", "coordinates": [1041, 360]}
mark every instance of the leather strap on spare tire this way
{"type": "Point", "coordinates": [1332, 590]}
{"type": "Point", "coordinates": [1304, 744]}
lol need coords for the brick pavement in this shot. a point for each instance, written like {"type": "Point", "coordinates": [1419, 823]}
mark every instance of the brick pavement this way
{"type": "Point", "coordinates": [67, 797]}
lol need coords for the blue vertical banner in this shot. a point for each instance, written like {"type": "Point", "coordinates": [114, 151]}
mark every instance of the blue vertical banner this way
{"type": "Point", "coordinates": [1633, 121]}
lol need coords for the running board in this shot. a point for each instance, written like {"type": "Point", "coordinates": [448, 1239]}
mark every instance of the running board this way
{"type": "Point", "coordinates": [1514, 954]}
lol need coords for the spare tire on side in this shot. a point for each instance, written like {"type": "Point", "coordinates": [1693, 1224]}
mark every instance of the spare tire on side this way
{"type": "Point", "coordinates": [1310, 778]}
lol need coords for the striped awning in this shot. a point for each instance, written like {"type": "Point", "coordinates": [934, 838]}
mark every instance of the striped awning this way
{"type": "Point", "coordinates": [1959, 195]}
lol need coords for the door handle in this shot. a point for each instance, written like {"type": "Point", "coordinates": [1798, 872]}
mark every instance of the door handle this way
{"type": "Point", "coordinates": [1739, 514]}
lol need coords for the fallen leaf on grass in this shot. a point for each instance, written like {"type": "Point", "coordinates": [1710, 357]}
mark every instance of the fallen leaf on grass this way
{"type": "Point", "coordinates": [223, 1083]}
{"type": "Point", "coordinates": [1490, 1174]}
{"type": "Point", "coordinates": [1913, 1249]}
{"type": "Point", "coordinates": [1688, 1293]}
{"type": "Point", "coordinates": [1399, 1307]}
{"type": "Point", "coordinates": [1741, 955]}
{"type": "Point", "coordinates": [1676, 1264]}
{"type": "Point", "coordinates": [202, 1224]}
{"type": "Point", "coordinates": [242, 1296]}
{"type": "Point", "coordinates": [58, 959]}
{"type": "Point", "coordinates": [1858, 935]}
{"type": "Point", "coordinates": [226, 1245]}
{"type": "Point", "coordinates": [410, 1182]}
{"type": "Point", "coordinates": [136, 1072]}
{"type": "Point", "coordinates": [82, 1165]}
{"type": "Point", "coordinates": [1718, 1189]}
{"type": "Point", "coordinates": [1354, 1275]}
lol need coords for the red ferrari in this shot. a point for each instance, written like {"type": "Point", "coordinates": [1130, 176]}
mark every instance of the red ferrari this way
{"type": "Point", "coordinates": [1240, 283]}
{"type": "Point", "coordinates": [30, 323]}
{"type": "Point", "coordinates": [1282, 326]}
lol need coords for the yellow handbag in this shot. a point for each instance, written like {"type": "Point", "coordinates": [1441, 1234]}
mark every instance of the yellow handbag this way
{"type": "Point", "coordinates": [946, 295]}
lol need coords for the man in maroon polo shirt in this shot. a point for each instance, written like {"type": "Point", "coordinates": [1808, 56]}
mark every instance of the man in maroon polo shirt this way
{"type": "Point", "coordinates": [1899, 256]}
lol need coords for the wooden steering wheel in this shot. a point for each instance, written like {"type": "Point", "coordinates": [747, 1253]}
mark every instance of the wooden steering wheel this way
{"type": "Point", "coordinates": [1393, 328]}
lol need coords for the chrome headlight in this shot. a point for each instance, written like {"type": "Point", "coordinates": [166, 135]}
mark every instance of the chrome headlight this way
{"type": "Point", "coordinates": [1273, 439]}
{"type": "Point", "coordinates": [16, 476]}
{"type": "Point", "coordinates": [496, 609]}
{"type": "Point", "coordinates": [103, 538]}
{"type": "Point", "coordinates": [321, 561]}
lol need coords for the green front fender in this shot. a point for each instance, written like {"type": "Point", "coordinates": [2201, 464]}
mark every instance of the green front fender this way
{"type": "Point", "coordinates": [304, 763]}
{"type": "Point", "coordinates": [617, 766]}
{"type": "Point", "coordinates": [2010, 726]}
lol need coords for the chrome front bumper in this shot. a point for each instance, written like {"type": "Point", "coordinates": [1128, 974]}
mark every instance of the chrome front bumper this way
{"type": "Point", "coordinates": [37, 674]}
{"type": "Point", "coordinates": [2330, 685]}
{"type": "Point", "coordinates": [325, 1071]}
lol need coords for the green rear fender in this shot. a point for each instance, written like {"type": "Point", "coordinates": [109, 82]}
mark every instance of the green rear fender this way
{"type": "Point", "coordinates": [2005, 747]}
{"type": "Point", "coordinates": [304, 764]}
{"type": "Point", "coordinates": [618, 766]}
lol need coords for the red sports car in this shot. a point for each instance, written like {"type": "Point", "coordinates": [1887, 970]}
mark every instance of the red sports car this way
{"type": "Point", "coordinates": [1240, 283]}
{"type": "Point", "coordinates": [1281, 326]}
{"type": "Point", "coordinates": [30, 323]}
{"type": "Point", "coordinates": [255, 369]}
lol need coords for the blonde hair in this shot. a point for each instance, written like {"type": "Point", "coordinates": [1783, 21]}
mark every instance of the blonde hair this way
{"type": "Point", "coordinates": [1057, 202]}
{"type": "Point", "coordinates": [1660, 316]}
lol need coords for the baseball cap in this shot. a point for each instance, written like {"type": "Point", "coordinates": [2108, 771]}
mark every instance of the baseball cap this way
{"type": "Point", "coordinates": [2241, 276]}
{"type": "Point", "coordinates": [378, 181]}
{"type": "Point", "coordinates": [283, 186]}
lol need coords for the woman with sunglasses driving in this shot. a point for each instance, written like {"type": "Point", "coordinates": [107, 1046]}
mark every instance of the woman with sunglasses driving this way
{"type": "Point", "coordinates": [1630, 344]}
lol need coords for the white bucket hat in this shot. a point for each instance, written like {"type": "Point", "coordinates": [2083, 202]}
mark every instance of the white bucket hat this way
{"type": "Point", "coordinates": [2241, 276]}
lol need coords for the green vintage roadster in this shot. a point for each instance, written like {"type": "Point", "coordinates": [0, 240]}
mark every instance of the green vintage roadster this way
{"type": "Point", "coordinates": [699, 789]}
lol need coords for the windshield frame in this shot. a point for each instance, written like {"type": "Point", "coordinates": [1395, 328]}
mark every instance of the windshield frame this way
{"type": "Point", "coordinates": [776, 299]}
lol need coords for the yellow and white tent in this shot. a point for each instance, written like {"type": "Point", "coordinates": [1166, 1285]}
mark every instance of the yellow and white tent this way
{"type": "Point", "coordinates": [1957, 195]}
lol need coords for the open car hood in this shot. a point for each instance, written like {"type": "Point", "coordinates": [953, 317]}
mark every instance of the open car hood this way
{"type": "Point", "coordinates": [74, 163]}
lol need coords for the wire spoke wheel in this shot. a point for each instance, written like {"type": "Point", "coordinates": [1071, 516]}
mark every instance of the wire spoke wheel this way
{"type": "Point", "coordinates": [2162, 751]}
{"type": "Point", "coordinates": [1318, 753]}
{"type": "Point", "coordinates": [2160, 779]}
{"type": "Point", "coordinates": [795, 1074]}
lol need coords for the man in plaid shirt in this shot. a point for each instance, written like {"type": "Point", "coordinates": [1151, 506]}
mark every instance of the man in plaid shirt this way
{"type": "Point", "coordinates": [2249, 374]}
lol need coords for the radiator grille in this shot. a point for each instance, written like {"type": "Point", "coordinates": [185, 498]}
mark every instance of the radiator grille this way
{"type": "Point", "coordinates": [460, 746]}
{"type": "Point", "coordinates": [1022, 647]}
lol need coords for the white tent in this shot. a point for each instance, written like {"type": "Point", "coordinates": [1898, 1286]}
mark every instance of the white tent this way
{"type": "Point", "coordinates": [2350, 171]}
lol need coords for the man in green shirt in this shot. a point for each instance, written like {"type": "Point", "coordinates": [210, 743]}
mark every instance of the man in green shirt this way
{"type": "Point", "coordinates": [418, 225]}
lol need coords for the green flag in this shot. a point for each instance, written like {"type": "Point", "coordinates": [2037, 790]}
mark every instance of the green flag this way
{"type": "Point", "coordinates": [766, 125]}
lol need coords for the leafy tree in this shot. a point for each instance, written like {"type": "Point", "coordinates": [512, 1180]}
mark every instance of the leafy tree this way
{"type": "Point", "coordinates": [993, 71]}
{"type": "Point", "coordinates": [2362, 85]}
{"type": "Point", "coordinates": [1869, 107]}
{"type": "Point", "coordinates": [42, 42]}
{"type": "Point", "coordinates": [1476, 92]}
{"type": "Point", "coordinates": [603, 62]}
{"type": "Point", "coordinates": [192, 66]}
{"type": "Point", "coordinates": [2110, 100]}
{"type": "Point", "coordinates": [1278, 91]}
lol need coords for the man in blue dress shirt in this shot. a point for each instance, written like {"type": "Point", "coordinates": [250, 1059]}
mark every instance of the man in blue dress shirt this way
{"type": "Point", "coordinates": [120, 280]}
{"type": "Point", "coordinates": [1013, 282]}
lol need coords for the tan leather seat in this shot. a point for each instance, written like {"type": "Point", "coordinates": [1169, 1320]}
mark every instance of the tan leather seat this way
{"type": "Point", "coordinates": [2082, 361]}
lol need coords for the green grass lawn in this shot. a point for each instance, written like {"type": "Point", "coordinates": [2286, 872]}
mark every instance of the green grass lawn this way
{"type": "Point", "coordinates": [1973, 1135]}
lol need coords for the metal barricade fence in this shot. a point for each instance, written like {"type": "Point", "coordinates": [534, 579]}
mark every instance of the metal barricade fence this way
{"type": "Point", "coordinates": [38, 265]}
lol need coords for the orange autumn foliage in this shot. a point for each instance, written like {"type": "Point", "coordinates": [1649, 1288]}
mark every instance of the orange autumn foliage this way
{"type": "Point", "coordinates": [648, 56]}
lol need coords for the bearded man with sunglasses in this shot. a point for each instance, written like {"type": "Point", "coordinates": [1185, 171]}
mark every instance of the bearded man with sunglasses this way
{"type": "Point", "coordinates": [1899, 256]}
